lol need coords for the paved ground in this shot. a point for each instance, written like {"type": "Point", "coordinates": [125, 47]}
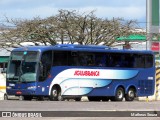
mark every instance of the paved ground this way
{"type": "Point", "coordinates": [111, 108]}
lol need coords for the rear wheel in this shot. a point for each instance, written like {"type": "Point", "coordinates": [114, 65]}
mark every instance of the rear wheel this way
{"type": "Point", "coordinates": [119, 94]}
{"type": "Point", "coordinates": [130, 94]}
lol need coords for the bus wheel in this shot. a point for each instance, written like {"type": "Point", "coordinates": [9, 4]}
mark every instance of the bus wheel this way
{"type": "Point", "coordinates": [119, 94]}
{"type": "Point", "coordinates": [130, 95]}
{"type": "Point", "coordinates": [5, 97]}
{"type": "Point", "coordinates": [60, 98]}
{"type": "Point", "coordinates": [21, 98]}
{"type": "Point", "coordinates": [55, 95]}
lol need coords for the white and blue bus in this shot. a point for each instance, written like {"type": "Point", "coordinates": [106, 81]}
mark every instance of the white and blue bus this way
{"type": "Point", "coordinates": [74, 71]}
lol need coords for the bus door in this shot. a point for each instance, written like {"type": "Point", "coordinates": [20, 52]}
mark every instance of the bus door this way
{"type": "Point", "coordinates": [45, 65]}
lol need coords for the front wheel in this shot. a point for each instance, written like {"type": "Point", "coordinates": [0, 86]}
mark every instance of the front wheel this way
{"type": "Point", "coordinates": [55, 94]}
{"type": "Point", "coordinates": [5, 97]}
{"type": "Point", "coordinates": [130, 95]}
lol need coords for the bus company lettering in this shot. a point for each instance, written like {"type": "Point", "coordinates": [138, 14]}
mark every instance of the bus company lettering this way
{"type": "Point", "coordinates": [86, 73]}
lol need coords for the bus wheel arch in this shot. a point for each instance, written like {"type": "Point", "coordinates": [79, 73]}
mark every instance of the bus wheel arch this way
{"type": "Point", "coordinates": [119, 93]}
{"type": "Point", "coordinates": [130, 93]}
{"type": "Point", "coordinates": [55, 94]}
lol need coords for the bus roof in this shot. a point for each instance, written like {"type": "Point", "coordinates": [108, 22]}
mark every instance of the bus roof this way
{"type": "Point", "coordinates": [72, 47]}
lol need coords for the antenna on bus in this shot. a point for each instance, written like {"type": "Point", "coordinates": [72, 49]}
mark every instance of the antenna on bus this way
{"type": "Point", "coordinates": [82, 46]}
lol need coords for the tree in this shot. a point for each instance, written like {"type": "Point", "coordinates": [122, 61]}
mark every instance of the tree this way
{"type": "Point", "coordinates": [66, 26]}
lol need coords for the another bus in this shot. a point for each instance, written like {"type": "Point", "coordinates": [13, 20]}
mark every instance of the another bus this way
{"type": "Point", "coordinates": [3, 67]}
{"type": "Point", "coordinates": [73, 71]}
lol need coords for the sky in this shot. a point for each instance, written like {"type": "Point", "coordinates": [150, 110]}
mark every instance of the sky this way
{"type": "Point", "coordinates": [28, 9]}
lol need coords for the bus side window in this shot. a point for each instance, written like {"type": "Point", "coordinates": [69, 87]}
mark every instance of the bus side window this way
{"type": "Point", "coordinates": [3, 67]}
{"type": "Point", "coordinates": [45, 65]}
{"type": "Point", "coordinates": [148, 61]}
{"type": "Point", "coordinates": [86, 59]}
{"type": "Point", "coordinates": [73, 59]}
{"type": "Point", "coordinates": [60, 58]}
{"type": "Point", "coordinates": [90, 60]}
{"type": "Point", "coordinates": [130, 60]}
{"type": "Point", "coordinates": [82, 59]}
{"type": "Point", "coordinates": [139, 61]}
{"type": "Point", "coordinates": [114, 60]}
{"type": "Point", "coordinates": [101, 60]}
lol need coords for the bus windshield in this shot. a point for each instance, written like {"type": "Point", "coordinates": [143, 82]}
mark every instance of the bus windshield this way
{"type": "Point", "coordinates": [22, 66]}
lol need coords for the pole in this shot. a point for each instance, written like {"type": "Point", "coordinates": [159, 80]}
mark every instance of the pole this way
{"type": "Point", "coordinates": [149, 22]}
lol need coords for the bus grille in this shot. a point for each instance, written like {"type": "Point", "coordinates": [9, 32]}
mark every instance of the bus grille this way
{"type": "Point", "coordinates": [146, 86]}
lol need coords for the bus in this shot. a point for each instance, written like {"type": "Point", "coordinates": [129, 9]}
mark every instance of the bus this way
{"type": "Point", "coordinates": [72, 71]}
{"type": "Point", "coordinates": [3, 67]}
{"type": "Point", "coordinates": [2, 85]}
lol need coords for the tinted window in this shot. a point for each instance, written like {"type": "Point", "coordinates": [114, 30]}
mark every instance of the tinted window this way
{"type": "Point", "coordinates": [46, 64]}
{"type": "Point", "coordinates": [123, 60]}
{"type": "Point", "coordinates": [86, 59]}
{"type": "Point", "coordinates": [129, 60]}
{"type": "Point", "coordinates": [149, 61]}
{"type": "Point", "coordinates": [60, 58]}
{"type": "Point", "coordinates": [120, 60]}
{"type": "Point", "coordinates": [73, 59]}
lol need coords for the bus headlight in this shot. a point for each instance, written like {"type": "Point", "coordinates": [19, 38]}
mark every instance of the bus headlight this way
{"type": "Point", "coordinates": [31, 87]}
{"type": "Point", "coordinates": [8, 87]}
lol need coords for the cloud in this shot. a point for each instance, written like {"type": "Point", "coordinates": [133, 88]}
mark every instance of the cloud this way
{"type": "Point", "coordinates": [24, 4]}
{"type": "Point", "coordinates": [124, 12]}
{"type": "Point", "coordinates": [127, 9]}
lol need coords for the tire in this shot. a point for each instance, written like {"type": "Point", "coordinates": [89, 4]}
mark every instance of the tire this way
{"type": "Point", "coordinates": [119, 94]}
{"type": "Point", "coordinates": [60, 98]}
{"type": "Point", "coordinates": [5, 97]}
{"type": "Point", "coordinates": [55, 94]}
{"type": "Point", "coordinates": [130, 94]}
{"type": "Point", "coordinates": [21, 98]}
